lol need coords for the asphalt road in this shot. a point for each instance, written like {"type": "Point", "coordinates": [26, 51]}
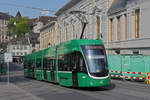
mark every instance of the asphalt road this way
{"type": "Point", "coordinates": [118, 90]}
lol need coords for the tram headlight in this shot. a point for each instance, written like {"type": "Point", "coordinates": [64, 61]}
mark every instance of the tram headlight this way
{"type": "Point", "coordinates": [101, 82]}
{"type": "Point", "coordinates": [83, 77]}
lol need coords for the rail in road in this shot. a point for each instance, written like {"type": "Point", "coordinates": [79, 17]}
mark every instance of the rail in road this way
{"type": "Point", "coordinates": [118, 90]}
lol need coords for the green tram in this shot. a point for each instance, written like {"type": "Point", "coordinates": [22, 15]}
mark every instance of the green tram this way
{"type": "Point", "coordinates": [76, 63]}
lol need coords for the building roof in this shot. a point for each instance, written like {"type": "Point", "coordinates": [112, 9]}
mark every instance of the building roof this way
{"type": "Point", "coordinates": [34, 38]}
{"type": "Point", "coordinates": [18, 14]}
{"type": "Point", "coordinates": [5, 16]}
{"type": "Point", "coordinates": [46, 19]}
{"type": "Point", "coordinates": [19, 41]}
{"type": "Point", "coordinates": [117, 6]}
{"type": "Point", "coordinates": [70, 4]}
{"type": "Point", "coordinates": [48, 25]}
{"type": "Point", "coordinates": [32, 21]}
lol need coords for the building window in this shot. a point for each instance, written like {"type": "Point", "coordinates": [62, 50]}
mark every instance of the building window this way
{"type": "Point", "coordinates": [136, 52]}
{"type": "Point", "coordinates": [60, 36]}
{"type": "Point", "coordinates": [97, 27]}
{"type": "Point", "coordinates": [21, 54]}
{"type": "Point", "coordinates": [17, 47]}
{"type": "Point", "coordinates": [21, 48]}
{"type": "Point", "coordinates": [137, 24]}
{"type": "Point", "coordinates": [13, 54]}
{"type": "Point", "coordinates": [25, 53]}
{"type": "Point", "coordinates": [14, 47]}
{"type": "Point", "coordinates": [111, 29]}
{"type": "Point", "coordinates": [118, 28]}
{"type": "Point", "coordinates": [73, 31]}
{"type": "Point", "coordinates": [66, 33]}
{"type": "Point", "coordinates": [25, 47]}
{"type": "Point", "coordinates": [17, 53]}
{"type": "Point", "coordinates": [117, 51]}
{"type": "Point", "coordinates": [125, 26]}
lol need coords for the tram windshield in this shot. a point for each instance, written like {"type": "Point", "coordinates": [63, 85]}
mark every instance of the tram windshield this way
{"type": "Point", "coordinates": [96, 60]}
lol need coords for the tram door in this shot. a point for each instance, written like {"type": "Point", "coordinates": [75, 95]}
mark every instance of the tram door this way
{"type": "Point", "coordinates": [75, 70]}
{"type": "Point", "coordinates": [52, 70]}
{"type": "Point", "coordinates": [32, 69]}
{"type": "Point", "coordinates": [45, 75]}
{"type": "Point", "coordinates": [45, 67]}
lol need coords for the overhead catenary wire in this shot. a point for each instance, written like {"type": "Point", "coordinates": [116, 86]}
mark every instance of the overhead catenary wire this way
{"type": "Point", "coordinates": [28, 7]}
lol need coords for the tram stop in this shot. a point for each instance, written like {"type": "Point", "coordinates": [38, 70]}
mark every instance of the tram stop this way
{"type": "Point", "coordinates": [148, 79]}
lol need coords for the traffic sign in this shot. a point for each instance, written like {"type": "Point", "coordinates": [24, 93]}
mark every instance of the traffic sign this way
{"type": "Point", "coordinates": [7, 57]}
{"type": "Point", "coordinates": [1, 57]}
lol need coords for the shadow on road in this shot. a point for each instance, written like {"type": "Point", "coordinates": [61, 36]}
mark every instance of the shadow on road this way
{"type": "Point", "coordinates": [105, 88]}
{"type": "Point", "coordinates": [16, 74]}
{"type": "Point", "coordinates": [14, 79]}
{"type": "Point", "coordinates": [15, 67]}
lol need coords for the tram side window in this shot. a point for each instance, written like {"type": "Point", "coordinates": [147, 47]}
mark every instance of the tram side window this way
{"type": "Point", "coordinates": [51, 61]}
{"type": "Point", "coordinates": [60, 63]}
{"type": "Point", "coordinates": [38, 64]}
{"type": "Point", "coordinates": [45, 64]}
{"type": "Point", "coordinates": [67, 63]}
{"type": "Point", "coordinates": [78, 62]}
{"type": "Point", "coordinates": [31, 64]}
{"type": "Point", "coordinates": [81, 63]}
{"type": "Point", "coordinates": [49, 64]}
{"type": "Point", "coordinates": [64, 63]}
{"type": "Point", "coordinates": [72, 61]}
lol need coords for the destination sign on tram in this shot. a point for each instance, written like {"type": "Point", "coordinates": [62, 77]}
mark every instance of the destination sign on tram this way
{"type": "Point", "coordinates": [94, 47]}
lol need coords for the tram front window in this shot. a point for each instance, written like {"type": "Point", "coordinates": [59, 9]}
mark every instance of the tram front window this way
{"type": "Point", "coordinates": [96, 60]}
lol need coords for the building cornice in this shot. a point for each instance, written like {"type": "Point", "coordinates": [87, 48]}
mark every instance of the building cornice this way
{"type": "Point", "coordinates": [70, 4]}
{"type": "Point", "coordinates": [47, 26]}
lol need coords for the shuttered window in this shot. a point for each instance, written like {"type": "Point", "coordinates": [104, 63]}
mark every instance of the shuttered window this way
{"type": "Point", "coordinates": [118, 28]}
{"type": "Point", "coordinates": [111, 29]}
{"type": "Point", "coordinates": [137, 24]}
{"type": "Point", "coordinates": [125, 27]}
{"type": "Point", "coordinates": [97, 27]}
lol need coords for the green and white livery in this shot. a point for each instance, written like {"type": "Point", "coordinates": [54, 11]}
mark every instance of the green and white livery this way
{"type": "Point", "coordinates": [76, 63]}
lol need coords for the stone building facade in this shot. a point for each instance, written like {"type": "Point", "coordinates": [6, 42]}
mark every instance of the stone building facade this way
{"type": "Point", "coordinates": [4, 18]}
{"type": "Point", "coordinates": [129, 27]}
{"type": "Point", "coordinates": [124, 24]}
{"type": "Point", "coordinates": [96, 13]}
{"type": "Point", "coordinates": [49, 35]}
{"type": "Point", "coordinates": [41, 21]}
{"type": "Point", "coordinates": [19, 47]}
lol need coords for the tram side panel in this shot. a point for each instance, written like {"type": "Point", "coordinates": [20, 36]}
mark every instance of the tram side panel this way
{"type": "Point", "coordinates": [64, 70]}
{"type": "Point", "coordinates": [49, 65]}
{"type": "Point", "coordinates": [73, 71]}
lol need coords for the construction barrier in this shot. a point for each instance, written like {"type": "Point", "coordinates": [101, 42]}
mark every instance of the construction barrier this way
{"type": "Point", "coordinates": [148, 78]}
{"type": "Point", "coordinates": [128, 77]}
{"type": "Point", "coordinates": [132, 67]}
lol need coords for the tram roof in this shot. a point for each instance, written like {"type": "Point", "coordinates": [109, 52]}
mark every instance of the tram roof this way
{"type": "Point", "coordinates": [76, 43]}
{"type": "Point", "coordinates": [72, 44]}
{"type": "Point", "coordinates": [82, 42]}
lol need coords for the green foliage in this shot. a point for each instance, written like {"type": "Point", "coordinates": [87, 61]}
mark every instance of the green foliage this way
{"type": "Point", "coordinates": [18, 26]}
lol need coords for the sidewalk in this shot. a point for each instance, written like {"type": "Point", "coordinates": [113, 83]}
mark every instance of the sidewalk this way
{"type": "Point", "coordinates": [13, 92]}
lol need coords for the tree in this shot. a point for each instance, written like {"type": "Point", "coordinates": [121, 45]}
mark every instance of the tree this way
{"type": "Point", "coordinates": [18, 26]}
